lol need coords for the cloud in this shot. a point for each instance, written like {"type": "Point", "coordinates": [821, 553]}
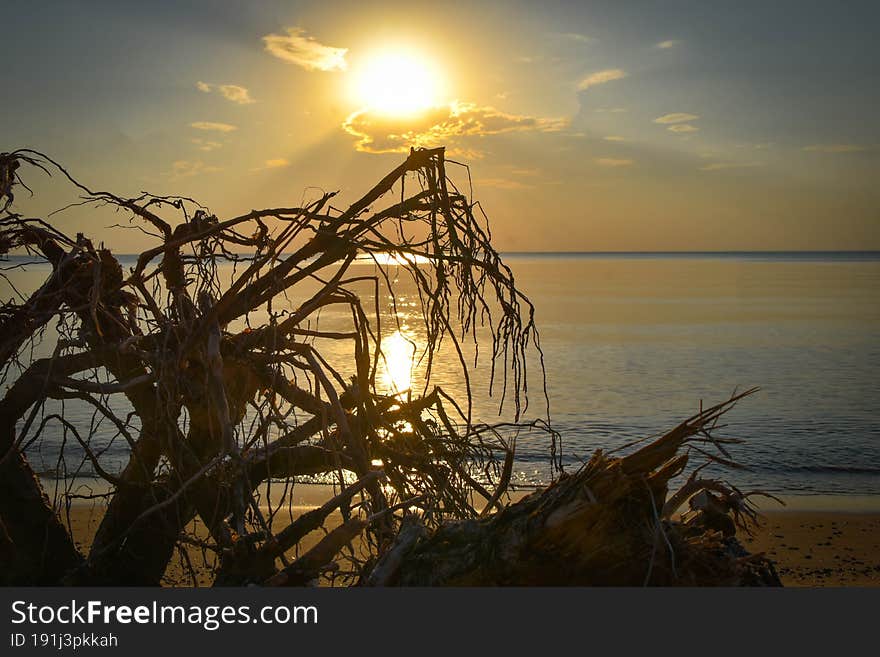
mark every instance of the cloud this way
{"type": "Point", "coordinates": [206, 144]}
{"type": "Point", "coordinates": [233, 92]}
{"type": "Point", "coordinates": [613, 162]}
{"type": "Point", "coordinates": [502, 183]}
{"type": "Point", "coordinates": [615, 138]}
{"type": "Point", "coordinates": [572, 36]}
{"type": "Point", "coordinates": [273, 163]}
{"type": "Point", "coordinates": [213, 126]}
{"type": "Point", "coordinates": [601, 77]}
{"type": "Point", "coordinates": [447, 125]}
{"type": "Point", "coordinates": [189, 168]}
{"type": "Point", "coordinates": [835, 148]}
{"type": "Point", "coordinates": [612, 110]}
{"type": "Point", "coordinates": [665, 45]}
{"type": "Point", "coordinates": [682, 128]}
{"type": "Point", "coordinates": [719, 166]}
{"type": "Point", "coordinates": [676, 117]}
{"type": "Point", "coordinates": [304, 51]}
{"type": "Point", "coordinates": [757, 147]}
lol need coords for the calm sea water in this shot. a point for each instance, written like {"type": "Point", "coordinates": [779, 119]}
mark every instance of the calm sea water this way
{"type": "Point", "coordinates": [634, 342]}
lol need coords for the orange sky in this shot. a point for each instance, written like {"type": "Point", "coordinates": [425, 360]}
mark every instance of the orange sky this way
{"type": "Point", "coordinates": [587, 126]}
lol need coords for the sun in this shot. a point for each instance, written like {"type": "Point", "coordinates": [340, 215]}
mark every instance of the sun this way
{"type": "Point", "coordinates": [396, 83]}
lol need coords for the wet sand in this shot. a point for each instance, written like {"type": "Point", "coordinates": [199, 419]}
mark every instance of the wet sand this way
{"type": "Point", "coordinates": [823, 547]}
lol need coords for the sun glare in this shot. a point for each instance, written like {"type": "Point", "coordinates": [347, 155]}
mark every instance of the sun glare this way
{"type": "Point", "coordinates": [397, 82]}
{"type": "Point", "coordinates": [398, 362]}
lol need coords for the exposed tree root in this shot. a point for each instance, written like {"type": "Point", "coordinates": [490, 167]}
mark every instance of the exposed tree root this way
{"type": "Point", "coordinates": [227, 389]}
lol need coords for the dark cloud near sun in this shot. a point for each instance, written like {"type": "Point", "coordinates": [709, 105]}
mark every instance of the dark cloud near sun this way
{"type": "Point", "coordinates": [452, 124]}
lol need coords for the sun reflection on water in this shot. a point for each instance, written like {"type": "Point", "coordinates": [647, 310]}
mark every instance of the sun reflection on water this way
{"type": "Point", "coordinates": [396, 368]}
{"type": "Point", "coordinates": [385, 258]}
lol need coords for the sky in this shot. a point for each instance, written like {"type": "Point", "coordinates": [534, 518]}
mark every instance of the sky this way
{"type": "Point", "coordinates": [587, 126]}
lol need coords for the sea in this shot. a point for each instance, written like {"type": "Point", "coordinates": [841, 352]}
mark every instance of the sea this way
{"type": "Point", "coordinates": [633, 343]}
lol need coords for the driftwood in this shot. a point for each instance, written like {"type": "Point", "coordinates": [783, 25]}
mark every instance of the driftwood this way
{"type": "Point", "coordinates": [227, 390]}
{"type": "Point", "coordinates": [612, 523]}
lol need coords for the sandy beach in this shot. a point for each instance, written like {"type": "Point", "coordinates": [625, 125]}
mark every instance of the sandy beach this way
{"type": "Point", "coordinates": [821, 548]}
{"type": "Point", "coordinates": [813, 542]}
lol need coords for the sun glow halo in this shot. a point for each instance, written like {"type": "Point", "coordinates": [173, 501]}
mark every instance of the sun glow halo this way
{"type": "Point", "coordinates": [397, 83]}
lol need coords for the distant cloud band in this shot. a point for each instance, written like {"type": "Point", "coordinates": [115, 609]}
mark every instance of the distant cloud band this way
{"type": "Point", "coordinates": [720, 166]}
{"type": "Point", "coordinates": [213, 126]}
{"type": "Point", "coordinates": [601, 77]}
{"type": "Point", "coordinates": [676, 117]}
{"type": "Point", "coordinates": [189, 168]}
{"type": "Point", "coordinates": [613, 162]}
{"type": "Point", "coordinates": [682, 128]}
{"type": "Point", "coordinates": [835, 148]}
{"type": "Point", "coordinates": [231, 92]}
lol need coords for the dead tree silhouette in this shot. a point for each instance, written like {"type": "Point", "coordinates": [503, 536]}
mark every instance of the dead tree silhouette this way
{"type": "Point", "coordinates": [220, 388]}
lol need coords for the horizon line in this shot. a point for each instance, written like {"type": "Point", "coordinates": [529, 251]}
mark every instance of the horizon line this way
{"type": "Point", "coordinates": [697, 251]}
{"type": "Point", "coordinates": [626, 252]}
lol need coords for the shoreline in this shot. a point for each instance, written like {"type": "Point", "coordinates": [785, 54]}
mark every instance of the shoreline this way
{"type": "Point", "coordinates": [309, 493]}
{"type": "Point", "coordinates": [821, 503]}
{"type": "Point", "coordinates": [815, 541]}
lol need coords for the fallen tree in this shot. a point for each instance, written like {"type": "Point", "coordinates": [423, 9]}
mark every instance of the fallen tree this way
{"type": "Point", "coordinates": [211, 344]}
{"type": "Point", "coordinates": [612, 523]}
